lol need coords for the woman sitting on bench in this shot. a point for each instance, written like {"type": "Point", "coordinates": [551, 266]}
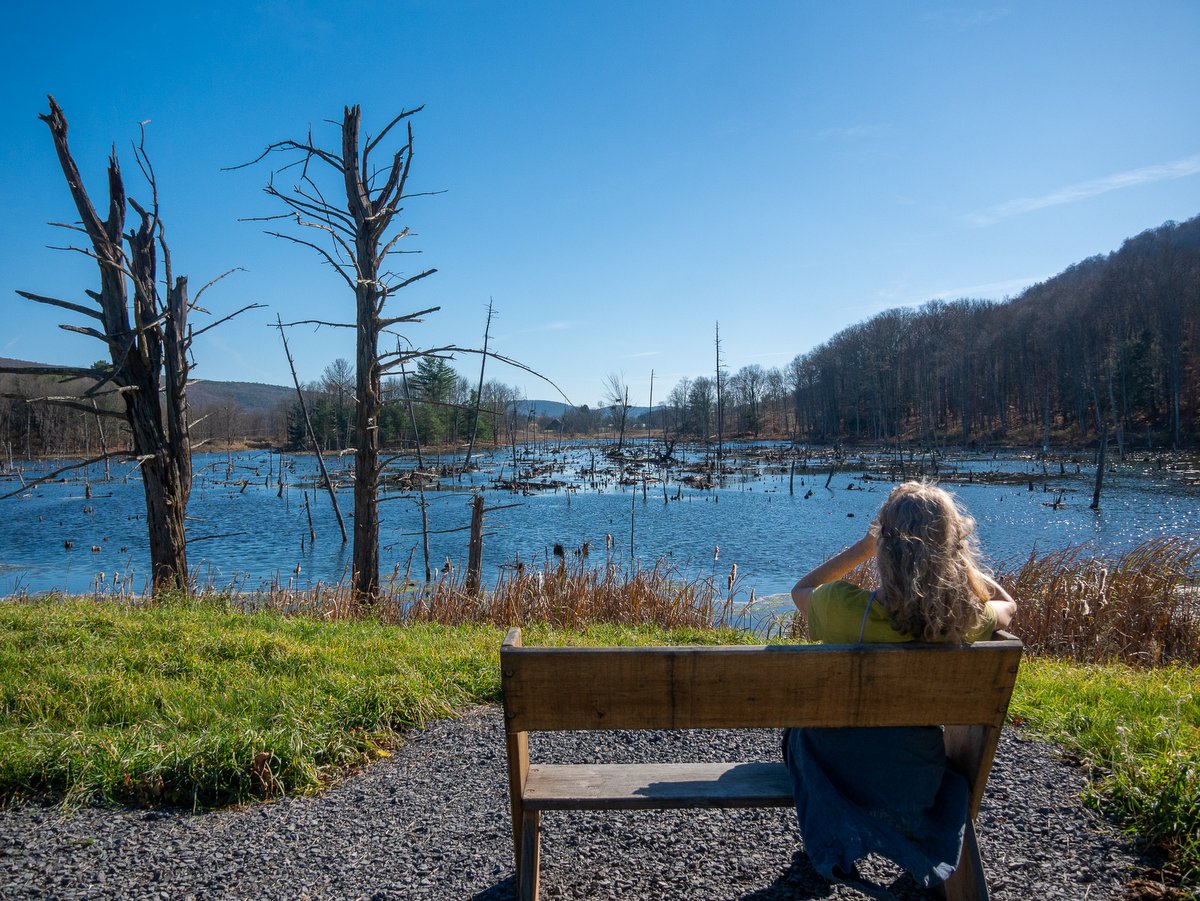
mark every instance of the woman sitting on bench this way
{"type": "Point", "coordinates": [890, 790]}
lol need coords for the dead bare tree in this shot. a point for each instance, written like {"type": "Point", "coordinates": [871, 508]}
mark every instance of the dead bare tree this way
{"type": "Point", "coordinates": [720, 383]}
{"type": "Point", "coordinates": [616, 396]}
{"type": "Point", "coordinates": [487, 330]}
{"type": "Point", "coordinates": [329, 486]}
{"type": "Point", "coordinates": [151, 356]}
{"type": "Point", "coordinates": [355, 234]}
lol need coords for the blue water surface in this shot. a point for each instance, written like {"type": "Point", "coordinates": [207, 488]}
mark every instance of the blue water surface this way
{"type": "Point", "coordinates": [244, 531]}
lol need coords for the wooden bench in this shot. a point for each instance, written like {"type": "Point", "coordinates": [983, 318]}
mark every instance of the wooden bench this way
{"type": "Point", "coordinates": [966, 689]}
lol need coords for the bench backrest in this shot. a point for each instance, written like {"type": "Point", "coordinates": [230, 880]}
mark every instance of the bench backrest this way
{"type": "Point", "coordinates": [756, 686]}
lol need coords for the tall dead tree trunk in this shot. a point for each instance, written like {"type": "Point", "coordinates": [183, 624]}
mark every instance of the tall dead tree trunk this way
{"type": "Point", "coordinates": [150, 354]}
{"type": "Point", "coordinates": [312, 436]}
{"type": "Point", "coordinates": [720, 405]}
{"type": "Point", "coordinates": [487, 331]}
{"type": "Point", "coordinates": [356, 236]}
{"type": "Point", "coordinates": [357, 239]}
{"type": "Point", "coordinates": [1095, 505]}
{"type": "Point", "coordinates": [368, 306]}
{"type": "Point", "coordinates": [475, 548]}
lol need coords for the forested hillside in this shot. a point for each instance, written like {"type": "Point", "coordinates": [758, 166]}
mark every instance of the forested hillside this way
{"type": "Point", "coordinates": [1111, 343]}
{"type": "Point", "coordinates": [1111, 340]}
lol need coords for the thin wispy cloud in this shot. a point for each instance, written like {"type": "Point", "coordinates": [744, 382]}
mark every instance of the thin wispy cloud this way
{"type": "Point", "coordinates": [645, 353]}
{"type": "Point", "coordinates": [991, 289]}
{"type": "Point", "coordinates": [1088, 189]}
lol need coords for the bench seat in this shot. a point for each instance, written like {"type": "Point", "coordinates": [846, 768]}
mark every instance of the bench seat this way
{"type": "Point", "coordinates": [656, 786]}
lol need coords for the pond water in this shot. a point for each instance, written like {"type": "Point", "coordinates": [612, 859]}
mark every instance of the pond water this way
{"type": "Point", "coordinates": [244, 530]}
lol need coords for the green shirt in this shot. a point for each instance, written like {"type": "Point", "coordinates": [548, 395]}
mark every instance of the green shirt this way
{"type": "Point", "coordinates": [835, 616]}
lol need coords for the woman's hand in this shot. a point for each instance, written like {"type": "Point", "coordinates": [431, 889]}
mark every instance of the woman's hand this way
{"type": "Point", "coordinates": [835, 567]}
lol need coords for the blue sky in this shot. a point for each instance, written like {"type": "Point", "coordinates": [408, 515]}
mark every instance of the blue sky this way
{"type": "Point", "coordinates": [617, 177]}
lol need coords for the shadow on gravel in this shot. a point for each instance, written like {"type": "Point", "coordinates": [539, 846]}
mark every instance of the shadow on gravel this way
{"type": "Point", "coordinates": [799, 880]}
{"type": "Point", "coordinates": [501, 891]}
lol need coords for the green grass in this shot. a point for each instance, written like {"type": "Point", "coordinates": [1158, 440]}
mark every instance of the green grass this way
{"type": "Point", "coordinates": [202, 706]}
{"type": "Point", "coordinates": [1138, 730]}
{"type": "Point", "coordinates": [198, 704]}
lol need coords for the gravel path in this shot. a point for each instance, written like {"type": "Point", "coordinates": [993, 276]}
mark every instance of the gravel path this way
{"type": "Point", "coordinates": [432, 821]}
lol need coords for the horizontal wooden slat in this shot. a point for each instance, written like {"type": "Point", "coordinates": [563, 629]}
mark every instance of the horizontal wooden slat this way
{"type": "Point", "coordinates": [657, 785]}
{"type": "Point", "coordinates": [764, 686]}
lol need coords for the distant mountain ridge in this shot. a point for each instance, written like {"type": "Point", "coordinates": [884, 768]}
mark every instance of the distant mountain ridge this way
{"type": "Point", "coordinates": [204, 393]}
{"type": "Point", "coordinates": [9, 361]}
{"type": "Point", "coordinates": [248, 395]}
{"type": "Point", "coordinates": [257, 396]}
{"type": "Point", "coordinates": [555, 408]}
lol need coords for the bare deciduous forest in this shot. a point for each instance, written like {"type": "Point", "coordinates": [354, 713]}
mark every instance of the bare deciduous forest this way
{"type": "Point", "coordinates": [1111, 341]}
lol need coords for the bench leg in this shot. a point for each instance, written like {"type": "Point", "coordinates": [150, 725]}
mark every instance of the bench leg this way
{"type": "Point", "coordinates": [531, 842]}
{"type": "Point", "coordinates": [968, 882]}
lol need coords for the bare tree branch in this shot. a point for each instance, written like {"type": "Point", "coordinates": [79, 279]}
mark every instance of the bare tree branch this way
{"type": "Point", "coordinates": [72, 372]}
{"type": "Point", "coordinates": [90, 332]}
{"type": "Point", "coordinates": [301, 203]}
{"type": "Point", "coordinates": [281, 146]}
{"type": "Point", "coordinates": [387, 248]}
{"type": "Point", "coordinates": [319, 322]}
{"type": "Point", "coordinates": [385, 290]}
{"type": "Point", "coordinates": [397, 176]}
{"type": "Point", "coordinates": [101, 261]}
{"type": "Point", "coordinates": [395, 358]}
{"type": "Point", "coordinates": [196, 300]}
{"type": "Point", "coordinates": [374, 142]}
{"type": "Point", "coordinates": [408, 317]}
{"type": "Point", "coordinates": [405, 284]}
{"type": "Point", "coordinates": [65, 304]}
{"type": "Point", "coordinates": [321, 250]}
{"type": "Point", "coordinates": [69, 226]}
{"type": "Point", "coordinates": [274, 218]}
{"type": "Point", "coordinates": [249, 306]}
{"type": "Point", "coordinates": [335, 237]}
{"type": "Point", "coordinates": [324, 207]}
{"type": "Point", "coordinates": [71, 402]}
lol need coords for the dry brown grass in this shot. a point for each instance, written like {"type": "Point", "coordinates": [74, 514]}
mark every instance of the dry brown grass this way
{"type": "Point", "coordinates": [571, 595]}
{"type": "Point", "coordinates": [558, 593]}
{"type": "Point", "coordinates": [1141, 607]}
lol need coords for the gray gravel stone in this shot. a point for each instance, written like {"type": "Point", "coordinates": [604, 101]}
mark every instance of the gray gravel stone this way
{"type": "Point", "coordinates": [432, 821]}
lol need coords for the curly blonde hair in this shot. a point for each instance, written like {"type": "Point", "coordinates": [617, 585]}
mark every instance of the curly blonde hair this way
{"type": "Point", "coordinates": [930, 574]}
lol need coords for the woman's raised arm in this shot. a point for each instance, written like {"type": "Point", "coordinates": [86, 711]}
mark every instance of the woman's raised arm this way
{"type": "Point", "coordinates": [834, 568]}
{"type": "Point", "coordinates": [1000, 601]}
